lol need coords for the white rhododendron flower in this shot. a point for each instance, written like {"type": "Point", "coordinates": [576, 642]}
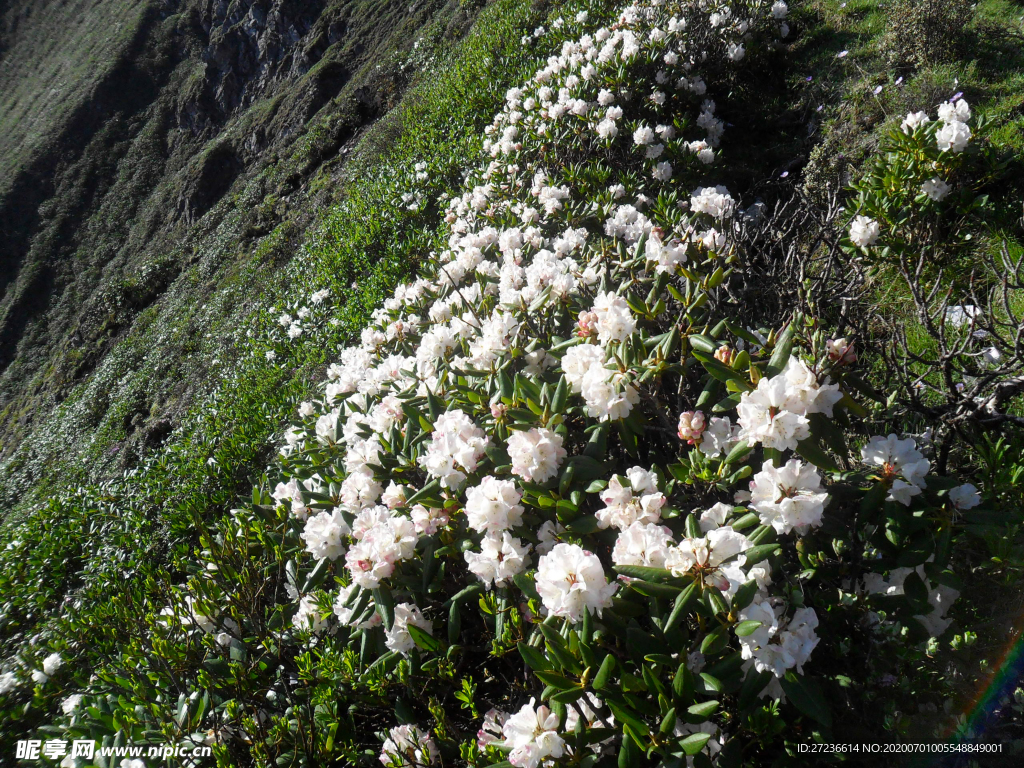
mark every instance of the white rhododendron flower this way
{"type": "Point", "coordinates": [324, 535]}
{"type": "Point", "coordinates": [536, 455]}
{"type": "Point", "coordinates": [578, 360]}
{"type": "Point", "coordinates": [953, 137]}
{"type": "Point", "coordinates": [790, 497]}
{"type": "Point", "coordinates": [778, 645]}
{"type": "Point", "coordinates": [532, 735]}
{"type": "Point", "coordinates": [615, 321]}
{"type": "Point", "coordinates": [51, 664]}
{"type": "Point", "coordinates": [636, 500]}
{"type": "Point", "coordinates": [398, 638]}
{"type": "Point", "coordinates": [407, 746]}
{"type": "Point", "coordinates": [456, 442]}
{"type": "Point", "coordinates": [570, 579]}
{"type": "Point", "coordinates": [608, 393]}
{"type": "Point", "coordinates": [707, 558]}
{"type": "Point", "coordinates": [864, 231]}
{"type": "Point", "coordinates": [899, 462]}
{"type": "Point", "coordinates": [501, 557]}
{"type": "Point", "coordinates": [965, 497]}
{"type": "Point", "coordinates": [936, 189]}
{"type": "Point", "coordinates": [915, 120]}
{"type": "Point", "coordinates": [493, 505]}
{"type": "Point", "coordinates": [714, 201]}
{"type": "Point", "coordinates": [775, 413]}
{"type": "Point", "coordinates": [642, 544]}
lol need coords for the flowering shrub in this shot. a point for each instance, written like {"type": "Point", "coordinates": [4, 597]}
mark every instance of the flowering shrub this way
{"type": "Point", "coordinates": [560, 504]}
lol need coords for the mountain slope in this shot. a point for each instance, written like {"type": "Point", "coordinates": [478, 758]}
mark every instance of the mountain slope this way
{"type": "Point", "coordinates": [207, 133]}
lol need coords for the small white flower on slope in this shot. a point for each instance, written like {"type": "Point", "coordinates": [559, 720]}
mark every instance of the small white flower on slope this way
{"type": "Point", "coordinates": [51, 664]}
{"type": "Point", "coordinates": [536, 455]}
{"type": "Point", "coordinates": [790, 497]}
{"type": "Point", "coordinates": [714, 201]}
{"type": "Point", "coordinates": [780, 10]}
{"type": "Point", "coordinates": [501, 557]}
{"type": "Point", "coordinates": [398, 638]}
{"type": "Point", "coordinates": [578, 360]}
{"type": "Point", "coordinates": [532, 736]}
{"type": "Point", "coordinates": [775, 414]}
{"type": "Point", "coordinates": [409, 747]}
{"type": "Point", "coordinates": [864, 231]}
{"type": "Point", "coordinates": [570, 579]}
{"type": "Point", "coordinates": [456, 442]}
{"type": "Point", "coordinates": [776, 647]}
{"type": "Point", "coordinates": [323, 535]}
{"type": "Point", "coordinates": [898, 457]}
{"type": "Point", "coordinates": [955, 113]}
{"type": "Point", "coordinates": [615, 321]}
{"type": "Point", "coordinates": [707, 556]}
{"type": "Point", "coordinates": [735, 52]}
{"type": "Point", "coordinates": [914, 120]}
{"type": "Point", "coordinates": [936, 189]}
{"type": "Point", "coordinates": [309, 616]}
{"type": "Point", "coordinates": [953, 137]}
{"type": "Point", "coordinates": [636, 501]}
{"type": "Point", "coordinates": [608, 393]}
{"type": "Point", "coordinates": [642, 544]}
{"type": "Point", "coordinates": [965, 497]}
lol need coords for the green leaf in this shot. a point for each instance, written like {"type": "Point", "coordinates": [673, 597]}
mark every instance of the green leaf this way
{"type": "Point", "coordinates": [704, 709]}
{"type": "Point", "coordinates": [643, 572]}
{"type": "Point", "coordinates": [805, 694]}
{"type": "Point", "coordinates": [605, 671]}
{"type": "Point", "coordinates": [682, 606]}
{"type": "Point", "coordinates": [561, 682]}
{"type": "Point", "coordinates": [318, 574]}
{"type": "Point", "coordinates": [385, 604]}
{"type": "Point", "coordinates": [758, 553]}
{"type": "Point", "coordinates": [534, 657]}
{"type": "Point", "coordinates": [721, 371]}
{"type": "Point", "coordinates": [783, 349]}
{"type": "Point", "coordinates": [745, 628]}
{"type": "Point", "coordinates": [715, 641]}
{"type": "Point", "coordinates": [694, 743]}
{"type": "Point", "coordinates": [423, 639]}
{"type": "Point", "coordinates": [810, 450]}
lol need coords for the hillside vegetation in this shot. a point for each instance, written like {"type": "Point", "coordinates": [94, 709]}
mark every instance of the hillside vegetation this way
{"type": "Point", "coordinates": [566, 383]}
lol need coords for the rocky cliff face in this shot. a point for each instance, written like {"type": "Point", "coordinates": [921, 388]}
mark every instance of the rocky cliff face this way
{"type": "Point", "coordinates": [172, 141]}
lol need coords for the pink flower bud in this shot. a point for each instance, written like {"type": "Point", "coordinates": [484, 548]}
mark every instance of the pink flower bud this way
{"type": "Point", "coordinates": [691, 426]}
{"type": "Point", "coordinates": [725, 354]}
{"type": "Point", "coordinates": [841, 351]}
{"type": "Point", "coordinates": [586, 324]}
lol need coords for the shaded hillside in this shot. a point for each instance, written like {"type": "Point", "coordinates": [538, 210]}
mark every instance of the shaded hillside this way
{"type": "Point", "coordinates": [149, 150]}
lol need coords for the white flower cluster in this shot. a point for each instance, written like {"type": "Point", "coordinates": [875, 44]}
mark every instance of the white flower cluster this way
{"type": "Point", "coordinates": [775, 413]}
{"type": "Point", "coordinates": [778, 644]}
{"type": "Point", "coordinates": [408, 746]}
{"type": "Point", "coordinates": [532, 735]}
{"type": "Point", "coordinates": [900, 463]}
{"type": "Point", "coordinates": [940, 597]}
